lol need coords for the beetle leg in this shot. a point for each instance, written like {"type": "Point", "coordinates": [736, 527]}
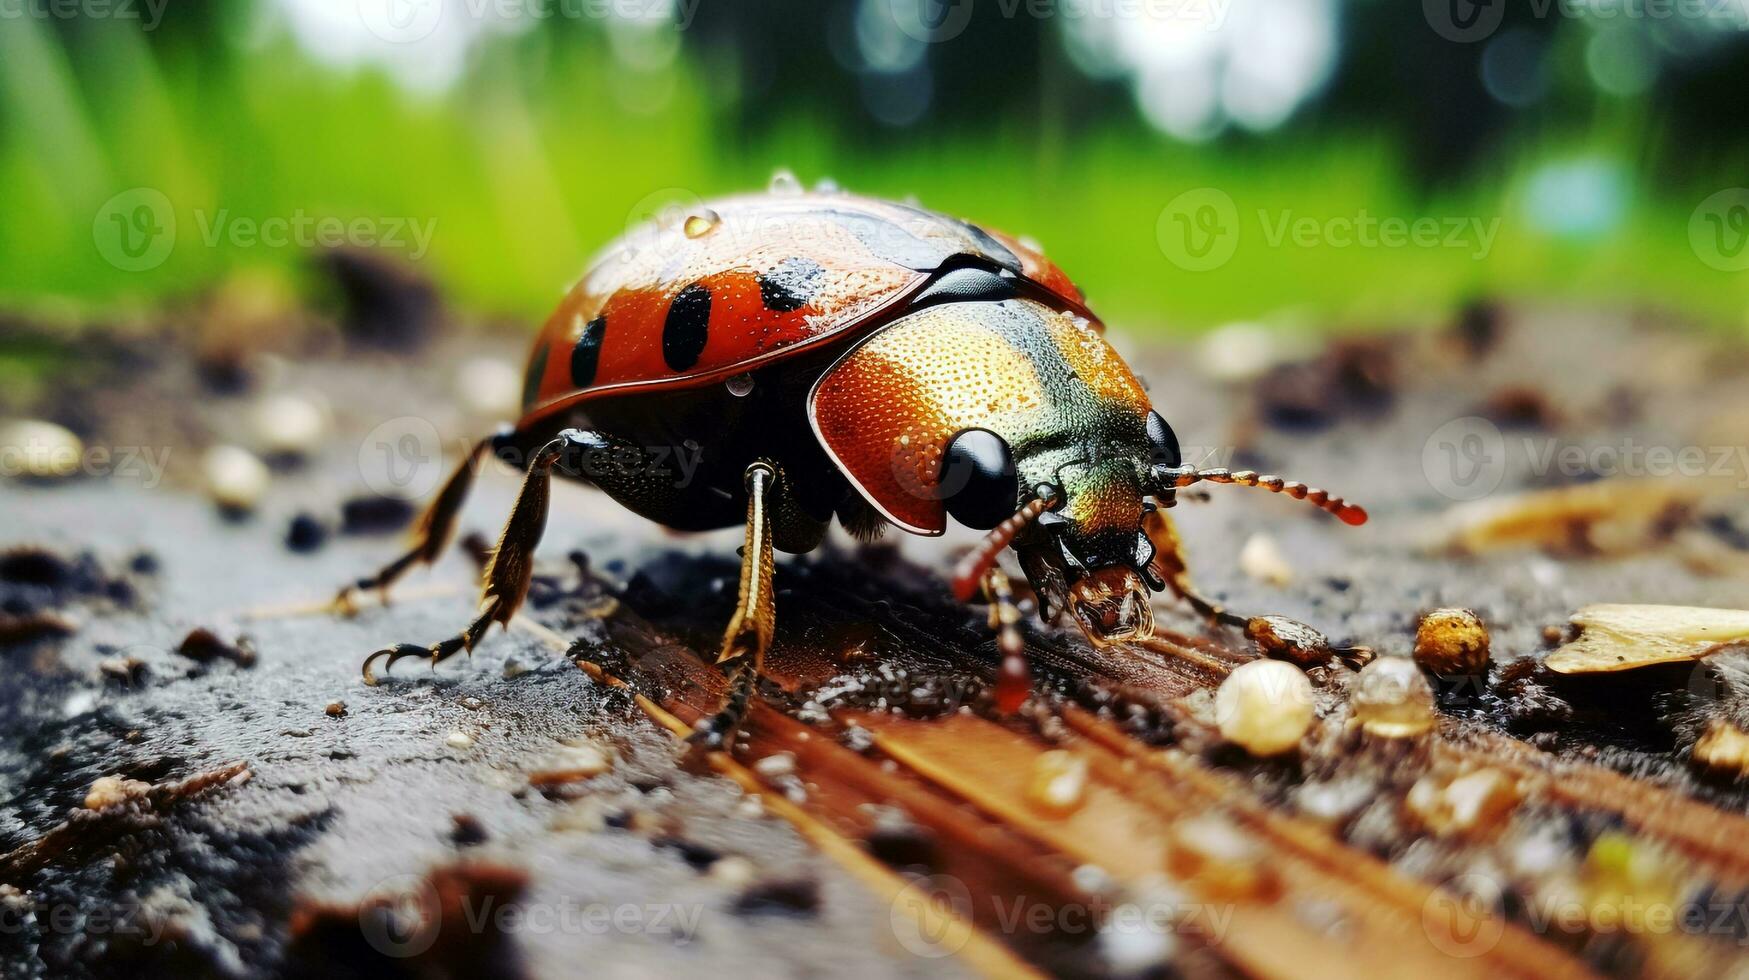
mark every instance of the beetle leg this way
{"type": "Point", "coordinates": [431, 532]}
{"type": "Point", "coordinates": [749, 632]}
{"type": "Point", "coordinates": [1013, 676]}
{"type": "Point", "coordinates": [1168, 565]}
{"type": "Point", "coordinates": [505, 581]}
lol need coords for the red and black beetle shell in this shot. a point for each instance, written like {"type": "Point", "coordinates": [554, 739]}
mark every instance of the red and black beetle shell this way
{"type": "Point", "coordinates": [746, 281]}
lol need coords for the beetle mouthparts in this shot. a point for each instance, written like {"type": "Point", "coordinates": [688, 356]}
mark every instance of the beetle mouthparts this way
{"type": "Point", "coordinates": [1112, 606]}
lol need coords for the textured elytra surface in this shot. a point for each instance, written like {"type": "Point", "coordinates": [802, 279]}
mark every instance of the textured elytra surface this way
{"type": "Point", "coordinates": [743, 278]}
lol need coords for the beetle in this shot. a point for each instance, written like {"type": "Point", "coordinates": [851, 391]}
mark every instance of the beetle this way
{"type": "Point", "coordinates": [824, 355]}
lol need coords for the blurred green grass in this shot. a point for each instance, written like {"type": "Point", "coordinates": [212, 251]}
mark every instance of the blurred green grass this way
{"type": "Point", "coordinates": [534, 164]}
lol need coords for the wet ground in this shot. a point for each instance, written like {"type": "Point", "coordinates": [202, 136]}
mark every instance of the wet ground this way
{"type": "Point", "coordinates": [356, 804]}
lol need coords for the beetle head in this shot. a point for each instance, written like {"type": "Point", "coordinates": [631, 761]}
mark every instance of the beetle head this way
{"type": "Point", "coordinates": [1084, 550]}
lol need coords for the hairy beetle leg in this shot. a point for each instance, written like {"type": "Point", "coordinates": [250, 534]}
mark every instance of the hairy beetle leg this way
{"type": "Point", "coordinates": [431, 533]}
{"type": "Point", "coordinates": [749, 632]}
{"type": "Point", "coordinates": [504, 583]}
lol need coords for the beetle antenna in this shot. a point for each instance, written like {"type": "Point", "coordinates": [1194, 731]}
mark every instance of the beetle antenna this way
{"type": "Point", "coordinates": [969, 574]}
{"type": "Point", "coordinates": [1168, 478]}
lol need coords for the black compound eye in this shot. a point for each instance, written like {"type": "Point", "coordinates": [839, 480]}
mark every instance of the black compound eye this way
{"type": "Point", "coordinates": [1163, 442]}
{"type": "Point", "coordinates": [978, 479]}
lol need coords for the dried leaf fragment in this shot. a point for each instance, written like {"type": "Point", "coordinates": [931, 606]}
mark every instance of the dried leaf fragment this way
{"type": "Point", "coordinates": [1615, 515]}
{"type": "Point", "coordinates": [1623, 637]}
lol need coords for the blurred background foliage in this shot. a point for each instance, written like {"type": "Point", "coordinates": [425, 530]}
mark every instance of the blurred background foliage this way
{"type": "Point", "coordinates": [526, 133]}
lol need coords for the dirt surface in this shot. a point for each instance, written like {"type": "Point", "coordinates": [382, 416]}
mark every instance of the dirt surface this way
{"type": "Point", "coordinates": [355, 804]}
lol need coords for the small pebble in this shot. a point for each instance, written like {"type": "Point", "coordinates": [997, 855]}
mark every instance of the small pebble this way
{"type": "Point", "coordinates": [574, 763]}
{"type": "Point", "coordinates": [1262, 559]}
{"type": "Point", "coordinates": [1474, 804]}
{"type": "Point", "coordinates": [1265, 707]}
{"type": "Point", "coordinates": [111, 791]}
{"type": "Point", "coordinates": [336, 709]}
{"type": "Point", "coordinates": [466, 830]}
{"type": "Point", "coordinates": [305, 534]}
{"type": "Point", "coordinates": [39, 450]}
{"type": "Point", "coordinates": [288, 425]}
{"type": "Point", "coordinates": [1452, 643]}
{"type": "Point", "coordinates": [235, 479]}
{"type": "Point", "coordinates": [734, 871]}
{"type": "Point", "coordinates": [776, 765]}
{"type": "Point", "coordinates": [459, 740]}
{"type": "Point", "coordinates": [127, 670]}
{"type": "Point", "coordinates": [1392, 699]}
{"type": "Point", "coordinates": [1059, 783]}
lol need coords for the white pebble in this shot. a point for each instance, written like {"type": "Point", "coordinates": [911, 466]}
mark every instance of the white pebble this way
{"type": "Point", "coordinates": [289, 425]}
{"type": "Point", "coordinates": [776, 765]}
{"type": "Point", "coordinates": [43, 450]}
{"type": "Point", "coordinates": [1264, 706]}
{"type": "Point", "coordinates": [1261, 559]}
{"type": "Point", "coordinates": [235, 479]}
{"type": "Point", "coordinates": [459, 740]}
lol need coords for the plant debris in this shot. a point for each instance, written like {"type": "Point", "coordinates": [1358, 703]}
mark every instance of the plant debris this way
{"type": "Point", "coordinates": [1625, 637]}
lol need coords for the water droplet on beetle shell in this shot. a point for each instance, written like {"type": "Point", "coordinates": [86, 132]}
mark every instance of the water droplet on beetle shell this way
{"type": "Point", "coordinates": [741, 385]}
{"type": "Point", "coordinates": [700, 223]}
{"type": "Point", "coordinates": [784, 182]}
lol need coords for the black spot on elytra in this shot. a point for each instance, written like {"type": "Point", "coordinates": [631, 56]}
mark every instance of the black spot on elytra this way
{"type": "Point", "coordinates": [687, 327]}
{"type": "Point", "coordinates": [531, 384]}
{"type": "Point", "coordinates": [790, 285]}
{"type": "Point", "coordinates": [587, 354]}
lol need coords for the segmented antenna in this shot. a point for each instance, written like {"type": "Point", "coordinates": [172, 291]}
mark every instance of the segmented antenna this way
{"type": "Point", "coordinates": [1174, 477]}
{"type": "Point", "coordinates": [969, 573]}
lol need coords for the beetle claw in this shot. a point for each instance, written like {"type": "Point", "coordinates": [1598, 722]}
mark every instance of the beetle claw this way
{"type": "Point", "coordinates": [399, 651]}
{"type": "Point", "coordinates": [344, 603]}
